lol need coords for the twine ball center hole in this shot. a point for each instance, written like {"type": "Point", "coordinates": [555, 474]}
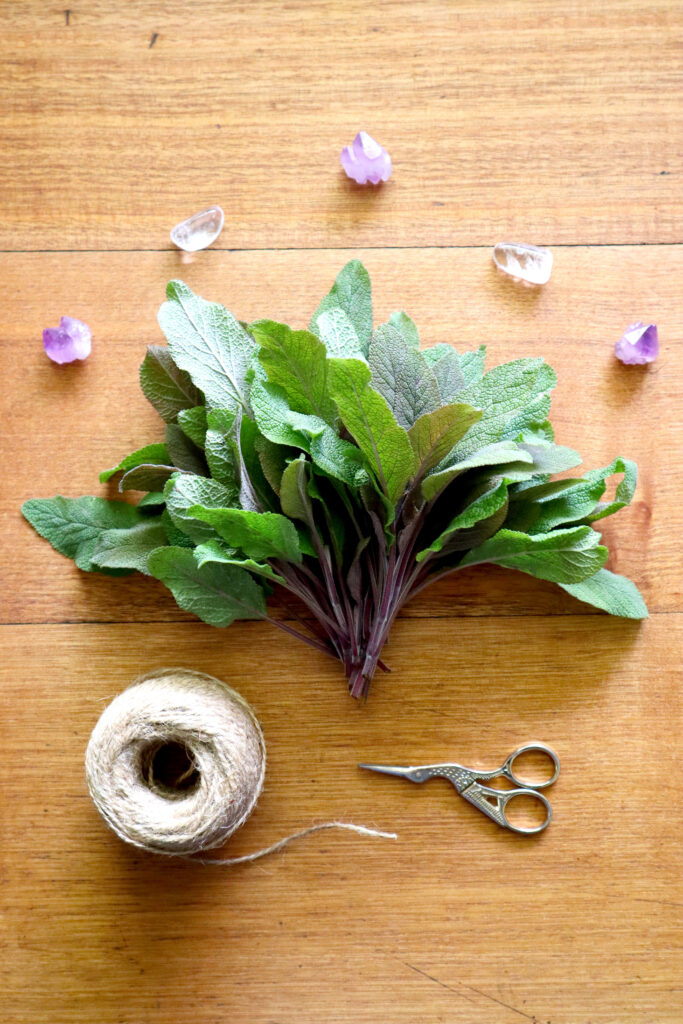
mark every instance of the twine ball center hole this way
{"type": "Point", "coordinates": [169, 769]}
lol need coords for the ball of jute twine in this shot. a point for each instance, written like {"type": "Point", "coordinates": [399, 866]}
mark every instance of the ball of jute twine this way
{"type": "Point", "coordinates": [176, 764]}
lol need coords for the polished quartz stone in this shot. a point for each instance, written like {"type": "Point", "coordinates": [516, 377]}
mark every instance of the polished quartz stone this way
{"type": "Point", "coordinates": [199, 230]}
{"type": "Point", "coordinates": [525, 262]}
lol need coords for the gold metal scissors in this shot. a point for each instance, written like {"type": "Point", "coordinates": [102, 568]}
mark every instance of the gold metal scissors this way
{"type": "Point", "coordinates": [468, 782]}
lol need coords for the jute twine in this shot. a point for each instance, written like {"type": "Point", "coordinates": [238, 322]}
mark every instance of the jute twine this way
{"type": "Point", "coordinates": [176, 764]}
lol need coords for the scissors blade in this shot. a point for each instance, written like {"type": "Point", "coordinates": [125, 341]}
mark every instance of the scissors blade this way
{"type": "Point", "coordinates": [388, 769]}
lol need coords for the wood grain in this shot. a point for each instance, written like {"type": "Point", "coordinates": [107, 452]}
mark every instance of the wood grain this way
{"type": "Point", "coordinates": [533, 120]}
{"type": "Point", "coordinates": [456, 921]}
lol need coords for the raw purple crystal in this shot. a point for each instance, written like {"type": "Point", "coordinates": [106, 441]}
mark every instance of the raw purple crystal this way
{"type": "Point", "coordinates": [365, 160]}
{"type": "Point", "coordinates": [638, 344]}
{"type": "Point", "coordinates": [71, 340]}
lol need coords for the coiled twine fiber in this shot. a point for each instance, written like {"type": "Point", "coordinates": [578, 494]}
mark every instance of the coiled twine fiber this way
{"type": "Point", "coordinates": [214, 735]}
{"type": "Point", "coordinates": [176, 764]}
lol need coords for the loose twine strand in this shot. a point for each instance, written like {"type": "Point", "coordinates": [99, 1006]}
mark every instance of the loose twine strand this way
{"type": "Point", "coordinates": [219, 784]}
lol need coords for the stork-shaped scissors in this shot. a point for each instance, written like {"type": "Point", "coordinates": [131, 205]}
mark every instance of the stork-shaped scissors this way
{"type": "Point", "coordinates": [492, 802]}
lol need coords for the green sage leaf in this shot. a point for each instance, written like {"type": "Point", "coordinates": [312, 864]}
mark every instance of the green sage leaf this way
{"type": "Point", "coordinates": [217, 594]}
{"type": "Point", "coordinates": [73, 526]}
{"type": "Point", "coordinates": [401, 376]}
{"type": "Point", "coordinates": [614, 594]}
{"type": "Point", "coordinates": [151, 453]}
{"type": "Point", "coordinates": [258, 534]}
{"type": "Point", "coordinates": [352, 293]}
{"type": "Point", "coordinates": [129, 548]}
{"type": "Point", "coordinates": [369, 419]}
{"type": "Point", "coordinates": [210, 344]}
{"type": "Point", "coordinates": [297, 362]}
{"type": "Point", "coordinates": [562, 556]}
{"type": "Point", "coordinates": [168, 388]}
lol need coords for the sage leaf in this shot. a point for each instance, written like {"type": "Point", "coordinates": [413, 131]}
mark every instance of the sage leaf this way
{"type": "Point", "coordinates": [297, 362]}
{"type": "Point", "coordinates": [369, 419]}
{"type": "Point", "coordinates": [258, 534]}
{"type": "Point", "coordinates": [221, 449]}
{"type": "Point", "coordinates": [445, 365]}
{"type": "Point", "coordinates": [561, 556]}
{"type": "Point", "coordinates": [210, 344]}
{"type": "Point", "coordinates": [504, 453]}
{"type": "Point", "coordinates": [614, 594]}
{"type": "Point", "coordinates": [151, 453]}
{"type": "Point", "coordinates": [146, 478]}
{"type": "Point", "coordinates": [186, 491]}
{"type": "Point", "coordinates": [217, 594]}
{"type": "Point", "coordinates": [168, 388]}
{"type": "Point", "coordinates": [216, 551]}
{"type": "Point", "coordinates": [339, 336]}
{"type": "Point", "coordinates": [401, 376]}
{"type": "Point", "coordinates": [73, 526]}
{"type": "Point", "coordinates": [194, 425]}
{"type": "Point", "coordinates": [184, 453]}
{"type": "Point", "coordinates": [352, 293]}
{"type": "Point", "coordinates": [484, 508]}
{"type": "Point", "coordinates": [500, 394]}
{"type": "Point", "coordinates": [407, 327]}
{"type": "Point", "coordinates": [129, 548]}
{"type": "Point", "coordinates": [435, 433]}
{"type": "Point", "coordinates": [294, 497]}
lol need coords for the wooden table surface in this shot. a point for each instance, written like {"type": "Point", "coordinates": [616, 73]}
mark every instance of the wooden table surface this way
{"type": "Point", "coordinates": [556, 124]}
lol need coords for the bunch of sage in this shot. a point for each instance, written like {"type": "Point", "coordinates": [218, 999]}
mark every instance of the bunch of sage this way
{"type": "Point", "coordinates": [344, 465]}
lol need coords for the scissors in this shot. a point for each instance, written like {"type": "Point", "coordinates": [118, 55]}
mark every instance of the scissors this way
{"type": "Point", "coordinates": [491, 802]}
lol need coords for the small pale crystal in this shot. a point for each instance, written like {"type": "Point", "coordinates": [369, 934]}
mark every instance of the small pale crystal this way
{"type": "Point", "coordinates": [199, 230]}
{"type": "Point", "coordinates": [525, 262]}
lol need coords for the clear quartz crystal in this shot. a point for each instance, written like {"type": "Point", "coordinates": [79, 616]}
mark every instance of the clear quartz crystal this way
{"type": "Point", "coordinates": [199, 230]}
{"type": "Point", "coordinates": [526, 262]}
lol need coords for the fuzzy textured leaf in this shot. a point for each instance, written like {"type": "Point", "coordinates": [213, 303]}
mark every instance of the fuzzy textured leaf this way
{"type": "Point", "coordinates": [402, 322]}
{"type": "Point", "coordinates": [433, 435]}
{"type": "Point", "coordinates": [193, 423]}
{"type": "Point", "coordinates": [151, 453]}
{"type": "Point", "coordinates": [258, 534]}
{"type": "Point", "coordinates": [168, 388]}
{"type": "Point", "coordinates": [562, 556]}
{"type": "Point", "coordinates": [352, 293]}
{"type": "Point", "coordinates": [402, 377]}
{"type": "Point", "coordinates": [129, 548]}
{"type": "Point", "coordinates": [217, 551]}
{"type": "Point", "coordinates": [338, 335]}
{"type": "Point", "coordinates": [185, 492]}
{"type": "Point", "coordinates": [207, 341]}
{"type": "Point", "coordinates": [297, 362]}
{"type": "Point", "coordinates": [503, 453]}
{"type": "Point", "coordinates": [74, 525]}
{"type": "Point", "coordinates": [501, 394]}
{"type": "Point", "coordinates": [217, 594]}
{"type": "Point", "coordinates": [371, 422]}
{"type": "Point", "coordinates": [614, 594]}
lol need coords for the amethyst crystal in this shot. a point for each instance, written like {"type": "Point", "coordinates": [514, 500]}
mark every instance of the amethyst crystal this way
{"type": "Point", "coordinates": [638, 344]}
{"type": "Point", "coordinates": [365, 160]}
{"type": "Point", "coordinates": [71, 340]}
